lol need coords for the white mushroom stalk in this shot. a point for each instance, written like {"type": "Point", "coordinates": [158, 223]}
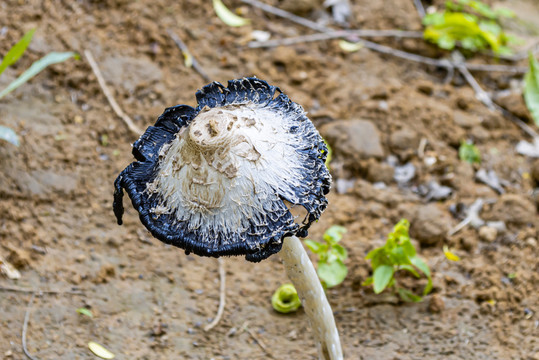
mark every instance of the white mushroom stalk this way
{"type": "Point", "coordinates": [228, 178]}
{"type": "Point", "coordinates": [301, 272]}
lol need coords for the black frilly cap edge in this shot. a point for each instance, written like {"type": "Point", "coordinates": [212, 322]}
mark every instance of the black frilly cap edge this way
{"type": "Point", "coordinates": [311, 195]}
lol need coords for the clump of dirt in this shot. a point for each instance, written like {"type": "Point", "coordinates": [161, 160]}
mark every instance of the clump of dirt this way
{"type": "Point", "coordinates": [395, 127]}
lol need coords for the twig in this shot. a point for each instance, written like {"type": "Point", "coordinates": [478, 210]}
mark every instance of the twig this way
{"type": "Point", "coordinates": [334, 35]}
{"type": "Point", "coordinates": [486, 99]}
{"type": "Point", "coordinates": [39, 291]}
{"type": "Point", "coordinates": [222, 296]}
{"type": "Point", "coordinates": [185, 50]}
{"type": "Point", "coordinates": [257, 339]}
{"type": "Point", "coordinates": [286, 15]}
{"type": "Point", "coordinates": [444, 63]}
{"type": "Point", "coordinates": [117, 109]}
{"type": "Point", "coordinates": [25, 327]}
{"type": "Point", "coordinates": [480, 94]}
{"type": "Point", "coordinates": [420, 8]}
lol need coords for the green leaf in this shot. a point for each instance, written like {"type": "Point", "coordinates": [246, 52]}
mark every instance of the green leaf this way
{"type": "Point", "coordinates": [332, 274]}
{"type": "Point", "coordinates": [9, 135]}
{"type": "Point", "coordinates": [408, 296]}
{"type": "Point", "coordinates": [285, 299]}
{"type": "Point", "coordinates": [408, 248]}
{"type": "Point", "coordinates": [469, 152]}
{"type": "Point", "coordinates": [36, 68]}
{"type": "Point", "coordinates": [382, 275]}
{"type": "Point", "coordinates": [368, 281]}
{"type": "Point", "coordinates": [409, 268]}
{"type": "Point", "coordinates": [334, 234]}
{"type": "Point", "coordinates": [531, 88]}
{"type": "Point", "coordinates": [424, 268]}
{"type": "Point", "coordinates": [340, 252]}
{"type": "Point", "coordinates": [84, 311]}
{"type": "Point", "coordinates": [16, 51]}
{"type": "Point", "coordinates": [314, 246]}
{"type": "Point", "coordinates": [227, 16]}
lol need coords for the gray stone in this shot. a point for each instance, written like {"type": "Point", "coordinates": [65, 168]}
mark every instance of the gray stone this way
{"type": "Point", "coordinates": [430, 224]}
{"type": "Point", "coordinates": [355, 138]}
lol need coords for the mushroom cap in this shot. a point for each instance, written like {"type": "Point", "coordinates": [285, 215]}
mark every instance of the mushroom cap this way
{"type": "Point", "coordinates": [225, 178]}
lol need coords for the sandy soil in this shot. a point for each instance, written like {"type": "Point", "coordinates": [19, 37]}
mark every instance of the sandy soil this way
{"type": "Point", "coordinates": [151, 301]}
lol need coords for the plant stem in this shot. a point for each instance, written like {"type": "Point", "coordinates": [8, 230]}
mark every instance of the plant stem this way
{"type": "Point", "coordinates": [301, 272]}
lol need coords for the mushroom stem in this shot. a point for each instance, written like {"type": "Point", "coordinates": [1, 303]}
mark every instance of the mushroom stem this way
{"type": "Point", "coordinates": [301, 272]}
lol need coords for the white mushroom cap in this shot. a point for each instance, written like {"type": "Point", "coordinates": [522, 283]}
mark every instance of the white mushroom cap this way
{"type": "Point", "coordinates": [221, 179]}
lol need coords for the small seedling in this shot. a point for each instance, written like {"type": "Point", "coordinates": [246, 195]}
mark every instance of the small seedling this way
{"type": "Point", "coordinates": [331, 255]}
{"type": "Point", "coordinates": [86, 312]}
{"type": "Point", "coordinates": [469, 152]}
{"type": "Point", "coordinates": [285, 299]}
{"type": "Point", "coordinates": [471, 24]}
{"type": "Point", "coordinates": [397, 254]}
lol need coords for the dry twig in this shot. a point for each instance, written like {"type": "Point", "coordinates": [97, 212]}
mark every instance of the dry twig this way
{"type": "Point", "coordinates": [185, 50]}
{"type": "Point", "coordinates": [25, 327]}
{"type": "Point", "coordinates": [39, 291]}
{"type": "Point", "coordinates": [444, 63]}
{"type": "Point", "coordinates": [255, 337]}
{"type": "Point", "coordinates": [334, 35]}
{"type": "Point", "coordinates": [222, 296]}
{"type": "Point", "coordinates": [486, 99]}
{"type": "Point", "coordinates": [420, 8]}
{"type": "Point", "coordinates": [117, 109]}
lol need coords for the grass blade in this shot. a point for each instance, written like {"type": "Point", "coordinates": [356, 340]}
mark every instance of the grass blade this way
{"type": "Point", "coordinates": [16, 51]}
{"type": "Point", "coordinates": [531, 89]}
{"type": "Point", "coordinates": [36, 68]}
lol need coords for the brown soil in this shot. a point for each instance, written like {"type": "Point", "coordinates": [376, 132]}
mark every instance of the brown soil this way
{"type": "Point", "coordinates": [151, 301]}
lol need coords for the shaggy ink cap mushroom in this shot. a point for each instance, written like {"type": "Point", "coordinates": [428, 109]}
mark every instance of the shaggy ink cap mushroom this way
{"type": "Point", "coordinates": [221, 178]}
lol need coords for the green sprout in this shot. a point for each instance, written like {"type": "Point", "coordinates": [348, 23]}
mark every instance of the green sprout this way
{"type": "Point", "coordinates": [331, 255]}
{"type": "Point", "coordinates": [285, 299]}
{"type": "Point", "coordinates": [11, 58]}
{"type": "Point", "coordinates": [469, 152]}
{"type": "Point", "coordinates": [471, 24]}
{"type": "Point", "coordinates": [397, 254]}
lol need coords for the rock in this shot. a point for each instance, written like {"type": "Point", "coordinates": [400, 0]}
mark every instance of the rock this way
{"type": "Point", "coordinates": [379, 172]}
{"type": "Point", "coordinates": [487, 233]}
{"type": "Point", "coordinates": [466, 120]}
{"type": "Point", "coordinates": [430, 225]}
{"type": "Point", "coordinates": [354, 138]}
{"type": "Point", "coordinates": [436, 304]}
{"type": "Point", "coordinates": [105, 272]}
{"type": "Point", "coordinates": [514, 102]}
{"type": "Point", "coordinates": [130, 73]}
{"type": "Point", "coordinates": [514, 209]}
{"type": "Point", "coordinates": [403, 139]}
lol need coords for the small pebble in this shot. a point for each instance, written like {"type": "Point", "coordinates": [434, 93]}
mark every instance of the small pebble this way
{"type": "Point", "coordinates": [436, 304]}
{"type": "Point", "coordinates": [487, 234]}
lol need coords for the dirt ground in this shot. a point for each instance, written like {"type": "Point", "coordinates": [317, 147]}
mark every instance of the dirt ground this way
{"type": "Point", "coordinates": [151, 301]}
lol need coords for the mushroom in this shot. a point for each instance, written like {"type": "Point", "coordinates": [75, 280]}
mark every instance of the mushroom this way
{"type": "Point", "coordinates": [243, 173]}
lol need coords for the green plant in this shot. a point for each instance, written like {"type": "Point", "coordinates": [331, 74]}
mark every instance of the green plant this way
{"type": "Point", "coordinates": [397, 254]}
{"type": "Point", "coordinates": [473, 25]}
{"type": "Point", "coordinates": [285, 299]}
{"type": "Point", "coordinates": [11, 58]}
{"type": "Point", "coordinates": [331, 255]}
{"type": "Point", "coordinates": [531, 88]}
{"type": "Point", "coordinates": [469, 152]}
